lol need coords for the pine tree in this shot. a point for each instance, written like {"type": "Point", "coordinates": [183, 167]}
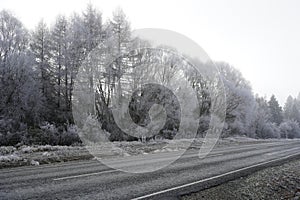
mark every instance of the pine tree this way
{"type": "Point", "coordinates": [275, 110]}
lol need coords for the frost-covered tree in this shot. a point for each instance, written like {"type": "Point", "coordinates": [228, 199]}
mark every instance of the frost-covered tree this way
{"type": "Point", "coordinates": [20, 96]}
{"type": "Point", "coordinates": [40, 45]}
{"type": "Point", "coordinates": [239, 99]}
{"type": "Point", "coordinates": [275, 110]}
{"type": "Point", "coordinates": [290, 129]}
{"type": "Point", "coordinates": [119, 29]}
{"type": "Point", "coordinates": [92, 35]}
{"type": "Point", "coordinates": [291, 109]}
{"type": "Point", "coordinates": [59, 52]}
{"type": "Point", "coordinates": [75, 53]}
{"type": "Point", "coordinates": [91, 28]}
{"type": "Point", "coordinates": [288, 107]}
{"type": "Point", "coordinates": [38, 73]}
{"type": "Point", "coordinates": [262, 125]}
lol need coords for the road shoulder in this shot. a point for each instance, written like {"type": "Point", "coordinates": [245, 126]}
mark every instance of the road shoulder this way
{"type": "Point", "coordinates": [280, 182]}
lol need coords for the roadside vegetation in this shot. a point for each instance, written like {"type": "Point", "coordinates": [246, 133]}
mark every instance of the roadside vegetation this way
{"type": "Point", "coordinates": [38, 69]}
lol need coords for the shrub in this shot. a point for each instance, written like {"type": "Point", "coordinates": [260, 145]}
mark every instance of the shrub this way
{"type": "Point", "coordinates": [290, 129]}
{"type": "Point", "coordinates": [11, 132]}
{"type": "Point", "coordinates": [270, 130]}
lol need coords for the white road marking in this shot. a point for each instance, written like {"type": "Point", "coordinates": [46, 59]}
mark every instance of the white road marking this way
{"type": "Point", "coordinates": [214, 177]}
{"type": "Point", "coordinates": [84, 175]}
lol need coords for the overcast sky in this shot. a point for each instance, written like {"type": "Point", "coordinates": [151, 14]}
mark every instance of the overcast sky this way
{"type": "Point", "coordinates": [261, 38]}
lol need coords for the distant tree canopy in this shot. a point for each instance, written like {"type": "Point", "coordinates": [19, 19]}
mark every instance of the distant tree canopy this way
{"type": "Point", "coordinates": [38, 70]}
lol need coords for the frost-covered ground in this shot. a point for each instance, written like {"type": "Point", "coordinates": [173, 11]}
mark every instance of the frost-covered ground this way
{"type": "Point", "coordinates": [37, 155]}
{"type": "Point", "coordinates": [281, 182]}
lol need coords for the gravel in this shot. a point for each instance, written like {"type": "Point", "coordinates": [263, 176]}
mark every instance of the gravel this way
{"type": "Point", "coordinates": [281, 182]}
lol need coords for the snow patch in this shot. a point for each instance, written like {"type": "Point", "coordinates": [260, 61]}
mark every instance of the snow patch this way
{"type": "Point", "coordinates": [34, 163]}
{"type": "Point", "coordinates": [10, 158]}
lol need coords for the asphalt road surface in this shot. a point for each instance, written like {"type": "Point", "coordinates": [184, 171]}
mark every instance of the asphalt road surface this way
{"type": "Point", "coordinates": [93, 180]}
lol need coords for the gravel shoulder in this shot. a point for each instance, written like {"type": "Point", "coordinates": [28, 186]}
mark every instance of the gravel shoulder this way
{"type": "Point", "coordinates": [280, 182]}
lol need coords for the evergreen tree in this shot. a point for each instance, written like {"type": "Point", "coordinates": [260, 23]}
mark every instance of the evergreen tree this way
{"type": "Point", "coordinates": [275, 110]}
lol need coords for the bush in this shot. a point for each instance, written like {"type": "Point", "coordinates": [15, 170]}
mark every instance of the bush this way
{"type": "Point", "coordinates": [270, 130]}
{"type": "Point", "coordinates": [70, 136]}
{"type": "Point", "coordinates": [11, 132]}
{"type": "Point", "coordinates": [46, 134]}
{"type": "Point", "coordinates": [203, 126]}
{"type": "Point", "coordinates": [290, 129]}
{"type": "Point", "coordinates": [7, 150]}
{"type": "Point", "coordinates": [93, 132]}
{"type": "Point", "coordinates": [168, 134]}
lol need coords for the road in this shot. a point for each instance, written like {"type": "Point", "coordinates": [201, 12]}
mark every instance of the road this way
{"type": "Point", "coordinates": [93, 180]}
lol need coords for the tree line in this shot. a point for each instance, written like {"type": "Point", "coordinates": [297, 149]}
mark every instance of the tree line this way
{"type": "Point", "coordinates": [38, 69]}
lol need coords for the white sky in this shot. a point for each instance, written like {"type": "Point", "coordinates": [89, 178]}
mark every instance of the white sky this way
{"type": "Point", "coordinates": [261, 38]}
